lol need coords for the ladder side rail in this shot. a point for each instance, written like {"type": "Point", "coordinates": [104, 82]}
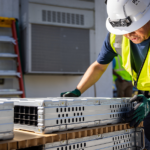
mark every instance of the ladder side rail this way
{"type": "Point", "coordinates": [19, 69]}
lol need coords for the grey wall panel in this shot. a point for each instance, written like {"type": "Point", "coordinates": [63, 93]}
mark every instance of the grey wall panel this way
{"type": "Point", "coordinates": [55, 49]}
{"type": "Point", "coordinates": [23, 13]}
{"type": "Point", "coordinates": [8, 64]}
{"type": "Point", "coordinates": [60, 16]}
{"type": "Point", "coordinates": [9, 8]}
{"type": "Point", "coordinates": [5, 32]}
{"type": "Point", "coordinates": [6, 48]}
{"type": "Point", "coordinates": [67, 3]}
{"type": "Point", "coordinates": [104, 85]}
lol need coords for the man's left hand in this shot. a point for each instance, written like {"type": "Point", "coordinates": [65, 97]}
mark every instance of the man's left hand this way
{"type": "Point", "coordinates": [139, 112]}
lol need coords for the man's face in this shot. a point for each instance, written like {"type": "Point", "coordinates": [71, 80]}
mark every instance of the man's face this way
{"type": "Point", "coordinates": [139, 35]}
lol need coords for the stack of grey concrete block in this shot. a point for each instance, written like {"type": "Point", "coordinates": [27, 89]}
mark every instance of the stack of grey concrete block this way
{"type": "Point", "coordinates": [6, 119]}
{"type": "Point", "coordinates": [47, 115]}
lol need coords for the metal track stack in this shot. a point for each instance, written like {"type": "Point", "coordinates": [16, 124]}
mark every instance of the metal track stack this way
{"type": "Point", "coordinates": [6, 119]}
{"type": "Point", "coordinates": [59, 114]}
{"type": "Point", "coordinates": [130, 139]}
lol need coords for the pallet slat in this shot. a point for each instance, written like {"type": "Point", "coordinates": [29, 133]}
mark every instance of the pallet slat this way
{"type": "Point", "coordinates": [97, 130]}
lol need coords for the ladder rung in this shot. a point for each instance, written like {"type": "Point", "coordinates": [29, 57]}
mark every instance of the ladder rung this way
{"type": "Point", "coordinates": [10, 92]}
{"type": "Point", "coordinates": [8, 39]}
{"type": "Point", "coordinates": [8, 55]}
{"type": "Point", "coordinates": [9, 73]}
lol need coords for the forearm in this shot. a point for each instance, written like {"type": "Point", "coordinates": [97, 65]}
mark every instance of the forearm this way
{"type": "Point", "coordinates": [91, 76]}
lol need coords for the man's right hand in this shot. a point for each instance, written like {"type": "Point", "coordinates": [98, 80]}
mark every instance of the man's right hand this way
{"type": "Point", "coordinates": [139, 112]}
{"type": "Point", "coordinates": [74, 93]}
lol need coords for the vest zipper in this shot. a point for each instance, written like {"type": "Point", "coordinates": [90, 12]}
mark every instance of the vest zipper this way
{"type": "Point", "coordinates": [135, 82]}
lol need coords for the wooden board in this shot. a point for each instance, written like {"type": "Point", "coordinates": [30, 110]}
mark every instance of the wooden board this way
{"type": "Point", "coordinates": [25, 139]}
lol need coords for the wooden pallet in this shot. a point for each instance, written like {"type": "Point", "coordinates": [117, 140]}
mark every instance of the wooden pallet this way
{"type": "Point", "coordinates": [25, 139]}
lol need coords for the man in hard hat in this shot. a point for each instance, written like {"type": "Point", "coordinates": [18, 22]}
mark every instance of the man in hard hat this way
{"type": "Point", "coordinates": [129, 25]}
{"type": "Point", "coordinates": [121, 78]}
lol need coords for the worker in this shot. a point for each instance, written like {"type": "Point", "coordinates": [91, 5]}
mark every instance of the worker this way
{"type": "Point", "coordinates": [121, 78]}
{"type": "Point", "coordinates": [128, 24]}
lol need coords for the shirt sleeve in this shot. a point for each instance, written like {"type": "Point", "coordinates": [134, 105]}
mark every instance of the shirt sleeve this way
{"type": "Point", "coordinates": [107, 54]}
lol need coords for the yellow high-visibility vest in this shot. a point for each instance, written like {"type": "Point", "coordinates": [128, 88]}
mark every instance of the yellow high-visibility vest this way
{"type": "Point", "coordinates": [120, 70]}
{"type": "Point", "coordinates": [121, 45]}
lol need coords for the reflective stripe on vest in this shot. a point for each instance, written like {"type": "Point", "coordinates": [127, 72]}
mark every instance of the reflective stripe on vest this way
{"type": "Point", "coordinates": [120, 70]}
{"type": "Point", "coordinates": [143, 82]}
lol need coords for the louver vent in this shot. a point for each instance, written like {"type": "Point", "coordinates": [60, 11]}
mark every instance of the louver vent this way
{"type": "Point", "coordinates": [62, 17]}
{"type": "Point", "coordinates": [55, 49]}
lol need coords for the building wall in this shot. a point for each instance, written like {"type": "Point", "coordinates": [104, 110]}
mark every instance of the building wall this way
{"type": "Point", "coordinates": [9, 8]}
{"type": "Point", "coordinates": [104, 85]}
{"type": "Point", "coordinates": [53, 85]}
{"type": "Point", "coordinates": [50, 85]}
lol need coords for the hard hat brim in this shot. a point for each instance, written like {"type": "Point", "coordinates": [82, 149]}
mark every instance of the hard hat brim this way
{"type": "Point", "coordinates": [133, 27]}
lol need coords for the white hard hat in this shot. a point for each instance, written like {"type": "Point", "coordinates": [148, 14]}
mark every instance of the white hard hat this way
{"type": "Point", "coordinates": [125, 16]}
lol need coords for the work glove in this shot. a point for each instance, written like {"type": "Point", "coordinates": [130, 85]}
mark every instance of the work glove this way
{"type": "Point", "coordinates": [139, 112]}
{"type": "Point", "coordinates": [74, 93]}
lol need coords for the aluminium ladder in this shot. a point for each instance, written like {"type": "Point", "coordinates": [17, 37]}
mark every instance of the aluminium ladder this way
{"type": "Point", "coordinates": [6, 57]}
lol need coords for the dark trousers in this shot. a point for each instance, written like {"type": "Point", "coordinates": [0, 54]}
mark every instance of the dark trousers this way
{"type": "Point", "coordinates": [124, 89]}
